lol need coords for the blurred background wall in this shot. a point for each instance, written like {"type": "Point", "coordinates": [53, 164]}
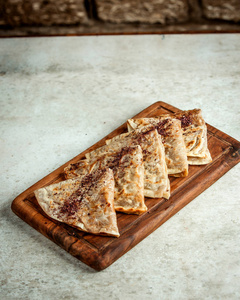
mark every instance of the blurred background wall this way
{"type": "Point", "coordinates": [50, 17]}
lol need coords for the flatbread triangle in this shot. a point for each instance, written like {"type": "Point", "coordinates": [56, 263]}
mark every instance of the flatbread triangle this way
{"type": "Point", "coordinates": [156, 182]}
{"type": "Point", "coordinates": [84, 202]}
{"type": "Point", "coordinates": [171, 136]}
{"type": "Point", "coordinates": [195, 136]}
{"type": "Point", "coordinates": [128, 170]}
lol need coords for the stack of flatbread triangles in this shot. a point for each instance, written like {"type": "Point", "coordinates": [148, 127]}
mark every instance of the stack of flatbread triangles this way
{"type": "Point", "coordinates": [131, 166]}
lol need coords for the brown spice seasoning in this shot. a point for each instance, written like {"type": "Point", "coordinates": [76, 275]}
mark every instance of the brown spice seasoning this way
{"type": "Point", "coordinates": [117, 157]}
{"type": "Point", "coordinates": [69, 207]}
{"type": "Point", "coordinates": [161, 127]}
{"type": "Point", "coordinates": [72, 204]}
{"type": "Point", "coordinates": [185, 121]}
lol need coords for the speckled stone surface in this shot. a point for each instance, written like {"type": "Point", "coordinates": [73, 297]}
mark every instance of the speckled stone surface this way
{"type": "Point", "coordinates": [59, 96]}
{"type": "Point", "coordinates": [43, 12]}
{"type": "Point", "coordinates": [154, 11]}
{"type": "Point", "coordinates": [220, 9]}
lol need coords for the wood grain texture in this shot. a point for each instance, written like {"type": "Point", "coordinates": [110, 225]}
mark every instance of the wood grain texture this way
{"type": "Point", "coordinates": [100, 252]}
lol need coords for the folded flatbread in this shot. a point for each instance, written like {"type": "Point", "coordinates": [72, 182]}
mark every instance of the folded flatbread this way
{"type": "Point", "coordinates": [171, 135]}
{"type": "Point", "coordinates": [156, 182]}
{"type": "Point", "coordinates": [84, 202]}
{"type": "Point", "coordinates": [128, 170]}
{"type": "Point", "coordinates": [195, 136]}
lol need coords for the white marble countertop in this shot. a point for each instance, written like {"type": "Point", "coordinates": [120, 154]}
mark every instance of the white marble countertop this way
{"type": "Point", "coordinates": [61, 95]}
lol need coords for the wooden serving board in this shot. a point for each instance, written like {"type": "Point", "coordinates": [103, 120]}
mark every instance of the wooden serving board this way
{"type": "Point", "coordinates": [99, 252]}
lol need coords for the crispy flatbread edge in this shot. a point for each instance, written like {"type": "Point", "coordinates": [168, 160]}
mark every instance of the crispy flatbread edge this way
{"type": "Point", "coordinates": [151, 194]}
{"type": "Point", "coordinates": [203, 154]}
{"type": "Point", "coordinates": [131, 125]}
{"type": "Point", "coordinates": [87, 156]}
{"type": "Point", "coordinates": [69, 173]}
{"type": "Point", "coordinates": [180, 174]}
{"type": "Point", "coordinates": [68, 176]}
{"type": "Point", "coordinates": [131, 210]}
{"type": "Point", "coordinates": [156, 194]}
{"type": "Point", "coordinates": [167, 193]}
{"type": "Point", "coordinates": [80, 226]}
{"type": "Point", "coordinates": [193, 160]}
